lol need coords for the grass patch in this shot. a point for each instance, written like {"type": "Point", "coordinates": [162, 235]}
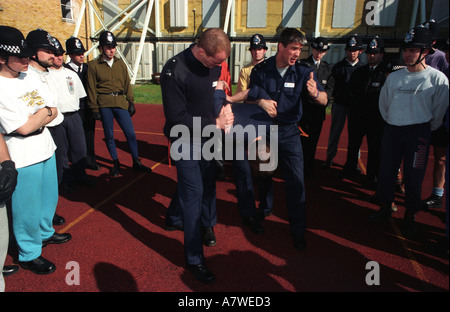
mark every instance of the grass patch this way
{"type": "Point", "coordinates": [147, 93]}
{"type": "Point", "coordinates": [150, 93]}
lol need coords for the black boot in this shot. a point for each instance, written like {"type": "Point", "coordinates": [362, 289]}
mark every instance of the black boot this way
{"type": "Point", "coordinates": [384, 213]}
{"type": "Point", "coordinates": [409, 225]}
{"type": "Point", "coordinates": [138, 166]}
{"type": "Point", "coordinates": [114, 171]}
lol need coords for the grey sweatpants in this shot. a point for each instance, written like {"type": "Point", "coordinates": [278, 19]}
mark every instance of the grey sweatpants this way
{"type": "Point", "coordinates": [4, 240]}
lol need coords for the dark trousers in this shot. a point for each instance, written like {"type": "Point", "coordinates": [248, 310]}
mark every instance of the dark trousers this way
{"type": "Point", "coordinates": [196, 198]}
{"type": "Point", "coordinates": [312, 128]}
{"type": "Point", "coordinates": [71, 147]}
{"type": "Point", "coordinates": [89, 135]}
{"type": "Point", "coordinates": [359, 127]}
{"type": "Point", "coordinates": [410, 144]}
{"type": "Point", "coordinates": [290, 155]}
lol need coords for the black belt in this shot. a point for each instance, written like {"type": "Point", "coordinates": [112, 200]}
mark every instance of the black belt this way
{"type": "Point", "coordinates": [69, 113]}
{"type": "Point", "coordinates": [15, 134]}
{"type": "Point", "coordinates": [112, 93]}
{"type": "Point", "coordinates": [280, 123]}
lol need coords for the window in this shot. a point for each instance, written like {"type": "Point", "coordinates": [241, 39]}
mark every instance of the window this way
{"type": "Point", "coordinates": [67, 10]}
{"type": "Point", "coordinates": [211, 13]}
{"type": "Point", "coordinates": [256, 13]}
{"type": "Point", "coordinates": [344, 13]}
{"type": "Point", "coordinates": [292, 13]}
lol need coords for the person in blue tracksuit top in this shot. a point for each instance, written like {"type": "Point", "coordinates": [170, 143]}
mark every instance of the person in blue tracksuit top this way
{"type": "Point", "coordinates": [278, 85]}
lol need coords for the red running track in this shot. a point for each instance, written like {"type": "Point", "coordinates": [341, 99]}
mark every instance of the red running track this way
{"type": "Point", "coordinates": [119, 242]}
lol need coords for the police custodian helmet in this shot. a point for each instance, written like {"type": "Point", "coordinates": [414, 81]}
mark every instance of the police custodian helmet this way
{"type": "Point", "coordinates": [40, 38]}
{"type": "Point", "coordinates": [257, 41]}
{"type": "Point", "coordinates": [74, 45]}
{"type": "Point", "coordinates": [376, 45]}
{"type": "Point", "coordinates": [12, 42]}
{"type": "Point", "coordinates": [354, 43]}
{"type": "Point", "coordinates": [107, 39]}
{"type": "Point", "coordinates": [321, 44]}
{"type": "Point", "coordinates": [418, 37]}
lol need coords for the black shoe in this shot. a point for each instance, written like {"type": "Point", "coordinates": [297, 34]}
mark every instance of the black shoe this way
{"type": "Point", "coordinates": [57, 239]}
{"type": "Point", "coordinates": [138, 166]}
{"type": "Point", "coordinates": [95, 167]}
{"type": "Point", "coordinates": [69, 187]}
{"type": "Point", "coordinates": [300, 242]}
{"type": "Point", "coordinates": [58, 220]}
{"type": "Point", "coordinates": [253, 224]}
{"type": "Point", "coordinates": [10, 269]}
{"type": "Point", "coordinates": [86, 181]}
{"type": "Point", "coordinates": [432, 202]}
{"type": "Point", "coordinates": [209, 239]}
{"type": "Point", "coordinates": [262, 215]}
{"type": "Point", "coordinates": [40, 266]}
{"type": "Point", "coordinates": [383, 214]}
{"type": "Point", "coordinates": [173, 227]}
{"type": "Point", "coordinates": [201, 273]}
{"type": "Point", "coordinates": [328, 163]}
{"type": "Point", "coordinates": [114, 171]}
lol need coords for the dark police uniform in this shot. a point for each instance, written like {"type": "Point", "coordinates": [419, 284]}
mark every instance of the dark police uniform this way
{"type": "Point", "coordinates": [74, 45]}
{"type": "Point", "coordinates": [288, 91]}
{"type": "Point", "coordinates": [341, 72]}
{"type": "Point", "coordinates": [187, 92]}
{"type": "Point", "coordinates": [313, 114]}
{"type": "Point", "coordinates": [364, 119]}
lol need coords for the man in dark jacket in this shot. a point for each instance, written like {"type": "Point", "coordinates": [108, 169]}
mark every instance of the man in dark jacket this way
{"type": "Point", "coordinates": [313, 114]}
{"type": "Point", "coordinates": [364, 118]}
{"type": "Point", "coordinates": [342, 72]}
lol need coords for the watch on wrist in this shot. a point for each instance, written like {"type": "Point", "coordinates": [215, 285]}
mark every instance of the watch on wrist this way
{"type": "Point", "coordinates": [50, 113]}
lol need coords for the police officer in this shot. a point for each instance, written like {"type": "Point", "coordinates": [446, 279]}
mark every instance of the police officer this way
{"type": "Point", "coordinates": [110, 96]}
{"type": "Point", "coordinates": [258, 49]}
{"type": "Point", "coordinates": [413, 102]}
{"type": "Point", "coordinates": [342, 72]}
{"type": "Point", "coordinates": [75, 50]}
{"type": "Point", "coordinates": [313, 114]}
{"type": "Point", "coordinates": [187, 83]}
{"type": "Point", "coordinates": [278, 85]}
{"type": "Point", "coordinates": [71, 144]}
{"type": "Point", "coordinates": [364, 117]}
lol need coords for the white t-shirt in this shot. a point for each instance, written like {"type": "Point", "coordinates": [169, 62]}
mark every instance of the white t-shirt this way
{"type": "Point", "coordinates": [70, 89]}
{"type": "Point", "coordinates": [409, 98]}
{"type": "Point", "coordinates": [44, 83]}
{"type": "Point", "coordinates": [20, 98]}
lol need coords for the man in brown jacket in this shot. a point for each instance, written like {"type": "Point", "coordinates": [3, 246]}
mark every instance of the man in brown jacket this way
{"type": "Point", "coordinates": [110, 97]}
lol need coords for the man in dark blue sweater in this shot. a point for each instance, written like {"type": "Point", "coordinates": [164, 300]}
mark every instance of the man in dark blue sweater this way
{"type": "Point", "coordinates": [188, 81]}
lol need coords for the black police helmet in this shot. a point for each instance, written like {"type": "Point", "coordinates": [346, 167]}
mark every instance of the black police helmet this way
{"type": "Point", "coordinates": [321, 44]}
{"type": "Point", "coordinates": [418, 37]}
{"type": "Point", "coordinates": [74, 45]}
{"type": "Point", "coordinates": [58, 46]}
{"type": "Point", "coordinates": [354, 43]}
{"type": "Point", "coordinates": [40, 38]}
{"type": "Point", "coordinates": [433, 27]}
{"type": "Point", "coordinates": [12, 42]}
{"type": "Point", "coordinates": [107, 38]}
{"type": "Point", "coordinates": [376, 45]}
{"type": "Point", "coordinates": [257, 41]}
